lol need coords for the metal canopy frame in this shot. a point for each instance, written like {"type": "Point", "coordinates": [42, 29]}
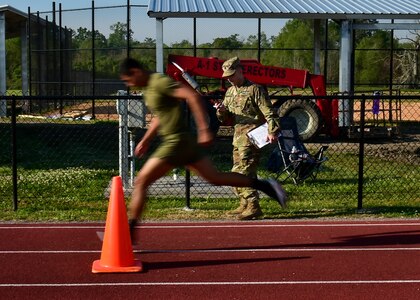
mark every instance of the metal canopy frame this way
{"type": "Point", "coordinates": [390, 10]}
{"type": "Point", "coordinates": [289, 9]}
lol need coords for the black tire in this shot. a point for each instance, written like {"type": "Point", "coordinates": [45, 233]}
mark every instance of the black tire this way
{"type": "Point", "coordinates": [307, 115]}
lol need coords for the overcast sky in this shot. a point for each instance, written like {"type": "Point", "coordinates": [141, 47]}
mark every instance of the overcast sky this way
{"type": "Point", "coordinates": [175, 30]}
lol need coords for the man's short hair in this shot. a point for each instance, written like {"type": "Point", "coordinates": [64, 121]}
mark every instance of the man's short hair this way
{"type": "Point", "coordinates": [128, 64]}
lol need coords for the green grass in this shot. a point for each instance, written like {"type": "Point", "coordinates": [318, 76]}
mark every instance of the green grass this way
{"type": "Point", "coordinates": [64, 171]}
{"type": "Point", "coordinates": [77, 194]}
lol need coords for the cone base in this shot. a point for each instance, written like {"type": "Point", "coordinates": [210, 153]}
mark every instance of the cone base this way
{"type": "Point", "coordinates": [97, 267]}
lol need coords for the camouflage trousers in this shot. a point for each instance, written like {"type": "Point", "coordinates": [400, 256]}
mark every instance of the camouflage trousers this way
{"type": "Point", "coordinates": [245, 161]}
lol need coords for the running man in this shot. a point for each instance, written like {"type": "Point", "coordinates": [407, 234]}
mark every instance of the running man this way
{"type": "Point", "coordinates": [179, 147]}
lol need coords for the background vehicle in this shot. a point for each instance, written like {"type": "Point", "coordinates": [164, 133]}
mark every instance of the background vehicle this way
{"type": "Point", "coordinates": [312, 115]}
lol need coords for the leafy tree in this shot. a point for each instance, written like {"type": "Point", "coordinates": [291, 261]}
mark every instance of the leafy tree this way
{"type": "Point", "coordinates": [362, 34]}
{"type": "Point", "coordinates": [82, 38]}
{"type": "Point", "coordinates": [79, 36]}
{"type": "Point", "coordinates": [407, 61]}
{"type": "Point", "coordinates": [252, 41]}
{"type": "Point", "coordinates": [13, 63]}
{"type": "Point", "coordinates": [292, 47]}
{"type": "Point", "coordinates": [145, 52]}
{"type": "Point", "coordinates": [372, 66]}
{"type": "Point", "coordinates": [183, 44]}
{"type": "Point", "coordinates": [332, 54]}
{"type": "Point", "coordinates": [118, 38]}
{"type": "Point", "coordinates": [296, 34]}
{"type": "Point", "coordinates": [182, 48]}
{"type": "Point", "coordinates": [206, 50]}
{"type": "Point", "coordinates": [231, 42]}
{"type": "Point", "coordinates": [333, 35]}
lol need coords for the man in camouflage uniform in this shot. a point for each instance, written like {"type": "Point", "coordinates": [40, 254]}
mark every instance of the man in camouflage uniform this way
{"type": "Point", "coordinates": [250, 107]}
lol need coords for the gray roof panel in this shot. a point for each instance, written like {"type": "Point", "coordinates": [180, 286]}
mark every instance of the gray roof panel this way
{"type": "Point", "coordinates": [339, 9]}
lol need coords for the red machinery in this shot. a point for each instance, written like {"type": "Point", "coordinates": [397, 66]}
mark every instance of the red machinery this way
{"type": "Point", "coordinates": [311, 116]}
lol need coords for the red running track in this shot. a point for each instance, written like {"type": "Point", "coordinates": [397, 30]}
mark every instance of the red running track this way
{"type": "Point", "coordinates": [378, 259]}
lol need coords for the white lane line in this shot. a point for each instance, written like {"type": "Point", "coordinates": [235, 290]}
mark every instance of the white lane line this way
{"type": "Point", "coordinates": [217, 250]}
{"type": "Point", "coordinates": [145, 226]}
{"type": "Point", "coordinates": [224, 283]}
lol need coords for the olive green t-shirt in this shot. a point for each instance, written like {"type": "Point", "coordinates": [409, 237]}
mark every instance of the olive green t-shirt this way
{"type": "Point", "coordinates": [179, 147]}
{"type": "Point", "coordinates": [158, 98]}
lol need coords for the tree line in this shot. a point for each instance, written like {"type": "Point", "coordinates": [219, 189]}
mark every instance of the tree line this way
{"type": "Point", "coordinates": [292, 47]}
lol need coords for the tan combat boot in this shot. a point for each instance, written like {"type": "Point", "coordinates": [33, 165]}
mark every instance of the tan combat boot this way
{"type": "Point", "coordinates": [252, 211]}
{"type": "Point", "coordinates": [242, 206]}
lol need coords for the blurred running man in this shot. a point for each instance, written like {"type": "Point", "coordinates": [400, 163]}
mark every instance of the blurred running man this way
{"type": "Point", "coordinates": [179, 147]}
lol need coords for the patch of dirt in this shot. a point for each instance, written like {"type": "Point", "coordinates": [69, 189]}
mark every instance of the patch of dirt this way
{"type": "Point", "coordinates": [403, 146]}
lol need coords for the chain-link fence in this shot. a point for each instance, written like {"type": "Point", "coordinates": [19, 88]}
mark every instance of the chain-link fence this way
{"type": "Point", "coordinates": [70, 155]}
{"type": "Point", "coordinates": [64, 141]}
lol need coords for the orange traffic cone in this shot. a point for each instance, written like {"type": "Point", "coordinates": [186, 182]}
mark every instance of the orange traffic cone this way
{"type": "Point", "coordinates": [117, 252]}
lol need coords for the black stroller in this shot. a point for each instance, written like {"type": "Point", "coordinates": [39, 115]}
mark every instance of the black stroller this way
{"type": "Point", "coordinates": [291, 157]}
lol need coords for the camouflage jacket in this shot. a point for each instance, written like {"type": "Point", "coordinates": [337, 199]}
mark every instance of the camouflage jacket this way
{"type": "Point", "coordinates": [251, 107]}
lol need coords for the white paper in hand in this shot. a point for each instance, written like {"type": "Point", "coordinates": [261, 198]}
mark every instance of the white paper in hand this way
{"type": "Point", "coordinates": [258, 136]}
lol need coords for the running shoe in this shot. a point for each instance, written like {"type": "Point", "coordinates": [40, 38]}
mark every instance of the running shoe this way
{"type": "Point", "coordinates": [278, 193]}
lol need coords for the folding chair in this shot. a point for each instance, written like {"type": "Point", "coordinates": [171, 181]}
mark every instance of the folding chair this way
{"type": "Point", "coordinates": [297, 163]}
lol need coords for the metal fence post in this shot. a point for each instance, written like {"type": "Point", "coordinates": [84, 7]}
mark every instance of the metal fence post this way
{"type": "Point", "coordinates": [93, 61]}
{"type": "Point", "coordinates": [14, 155]}
{"type": "Point", "coordinates": [122, 107]}
{"type": "Point", "coordinates": [188, 173]}
{"type": "Point", "coordinates": [361, 154]}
